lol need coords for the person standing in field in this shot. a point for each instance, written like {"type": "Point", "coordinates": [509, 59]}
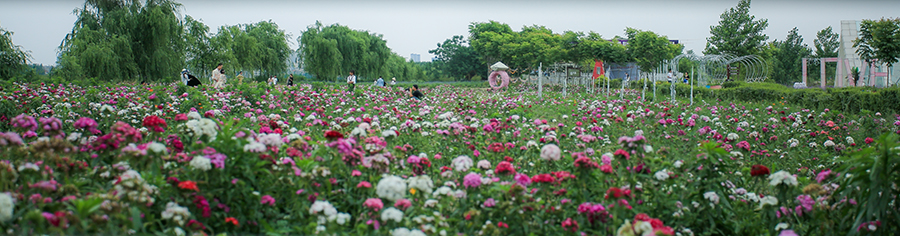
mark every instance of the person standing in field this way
{"type": "Point", "coordinates": [351, 81]}
{"type": "Point", "coordinates": [218, 77]}
{"type": "Point", "coordinates": [184, 76]}
{"type": "Point", "coordinates": [240, 77]}
{"type": "Point", "coordinates": [290, 80]}
{"type": "Point", "coordinates": [393, 81]}
{"type": "Point", "coordinates": [379, 82]}
{"type": "Point", "coordinates": [669, 76]}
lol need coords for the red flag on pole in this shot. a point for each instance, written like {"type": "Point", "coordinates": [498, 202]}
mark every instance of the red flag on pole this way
{"type": "Point", "coordinates": [598, 69]}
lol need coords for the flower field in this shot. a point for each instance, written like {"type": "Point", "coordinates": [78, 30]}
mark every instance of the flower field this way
{"type": "Point", "coordinates": [250, 159]}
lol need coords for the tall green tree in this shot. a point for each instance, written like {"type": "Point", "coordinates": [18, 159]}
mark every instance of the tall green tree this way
{"type": "Point", "coordinates": [738, 33]}
{"type": "Point", "coordinates": [457, 58]}
{"type": "Point", "coordinates": [788, 58]}
{"type": "Point", "coordinates": [329, 51]}
{"type": "Point", "coordinates": [649, 49]}
{"type": "Point", "coordinates": [488, 38]}
{"type": "Point", "coordinates": [116, 39]}
{"type": "Point", "coordinates": [13, 59]}
{"type": "Point", "coordinates": [593, 46]}
{"type": "Point", "coordinates": [272, 49]}
{"type": "Point", "coordinates": [826, 45]}
{"type": "Point", "coordinates": [879, 40]}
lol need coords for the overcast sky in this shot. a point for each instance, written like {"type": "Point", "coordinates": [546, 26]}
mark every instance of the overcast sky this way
{"type": "Point", "coordinates": [417, 26]}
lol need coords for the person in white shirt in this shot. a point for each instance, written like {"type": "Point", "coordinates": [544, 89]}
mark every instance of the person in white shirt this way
{"type": "Point", "coordinates": [218, 77]}
{"type": "Point", "coordinates": [669, 77]}
{"type": "Point", "coordinates": [184, 76]}
{"type": "Point", "coordinates": [394, 81]}
{"type": "Point", "coordinates": [351, 81]}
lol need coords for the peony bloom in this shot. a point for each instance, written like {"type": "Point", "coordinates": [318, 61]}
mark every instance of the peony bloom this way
{"type": "Point", "coordinates": [759, 170]}
{"type": "Point", "coordinates": [472, 180]}
{"type": "Point", "coordinates": [392, 214]}
{"type": "Point", "coordinates": [232, 220]}
{"type": "Point", "coordinates": [823, 175]}
{"type": "Point", "coordinates": [522, 179]}
{"type": "Point", "coordinates": [201, 163]}
{"type": "Point", "coordinates": [461, 163]}
{"type": "Point", "coordinates": [782, 177]}
{"type": "Point", "coordinates": [505, 168]}
{"type": "Point", "coordinates": [267, 199]}
{"type": "Point", "coordinates": [550, 152]}
{"type": "Point", "coordinates": [374, 204]}
{"type": "Point", "coordinates": [484, 164]}
{"type": "Point", "coordinates": [155, 123]}
{"type": "Point", "coordinates": [712, 197]}
{"type": "Point", "coordinates": [7, 207]}
{"type": "Point", "coordinates": [188, 185]}
{"type": "Point", "coordinates": [332, 135]}
{"type": "Point", "coordinates": [391, 188]}
{"type": "Point", "coordinates": [403, 204]}
{"type": "Point", "coordinates": [490, 202]}
{"type": "Point", "coordinates": [662, 175]}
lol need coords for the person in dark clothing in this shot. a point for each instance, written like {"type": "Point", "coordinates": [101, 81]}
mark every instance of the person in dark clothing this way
{"type": "Point", "coordinates": [193, 81]}
{"type": "Point", "coordinates": [291, 80]}
{"type": "Point", "coordinates": [415, 93]}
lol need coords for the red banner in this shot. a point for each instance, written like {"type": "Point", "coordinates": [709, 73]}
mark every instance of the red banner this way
{"type": "Point", "coordinates": [598, 69]}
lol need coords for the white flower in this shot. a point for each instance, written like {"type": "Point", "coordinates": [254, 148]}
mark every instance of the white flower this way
{"type": "Point", "coordinates": [648, 148]}
{"type": "Point", "coordinates": [324, 207]}
{"type": "Point", "coordinates": [431, 203]}
{"type": "Point", "coordinates": [422, 183]}
{"type": "Point", "coordinates": [391, 188]}
{"type": "Point", "coordinates": [388, 133]}
{"type": "Point", "coordinates": [194, 115]}
{"type": "Point", "coordinates": [733, 136]}
{"type": "Point", "coordinates": [272, 140]}
{"type": "Point", "coordinates": [254, 146]}
{"type": "Point", "coordinates": [201, 163]}
{"type": "Point", "coordinates": [550, 152]}
{"type": "Point", "coordinates": [662, 175]}
{"type": "Point", "coordinates": [768, 200]}
{"type": "Point", "coordinates": [484, 164]}
{"type": "Point", "coordinates": [176, 213]}
{"type": "Point", "coordinates": [781, 226]}
{"type": "Point", "coordinates": [342, 218]}
{"type": "Point", "coordinates": [391, 213]}
{"type": "Point", "coordinates": [7, 207]}
{"type": "Point", "coordinates": [712, 197]}
{"type": "Point", "coordinates": [157, 147]}
{"type": "Point", "coordinates": [782, 177]}
{"type": "Point", "coordinates": [850, 140]}
{"type": "Point", "coordinates": [462, 163]}
{"type": "Point", "coordinates": [678, 164]}
{"type": "Point", "coordinates": [828, 143]}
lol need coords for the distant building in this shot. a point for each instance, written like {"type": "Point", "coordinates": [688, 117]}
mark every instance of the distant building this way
{"type": "Point", "coordinates": [625, 41]}
{"type": "Point", "coordinates": [415, 57]}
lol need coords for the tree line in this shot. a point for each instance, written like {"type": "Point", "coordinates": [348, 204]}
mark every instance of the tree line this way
{"type": "Point", "coordinates": [150, 40]}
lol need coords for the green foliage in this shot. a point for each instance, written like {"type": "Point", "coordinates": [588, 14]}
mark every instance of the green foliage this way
{"type": "Point", "coordinates": [13, 60]}
{"type": "Point", "coordinates": [788, 58]}
{"type": "Point", "coordinates": [114, 40]}
{"type": "Point", "coordinates": [330, 51]}
{"type": "Point", "coordinates": [737, 33]}
{"type": "Point", "coordinates": [826, 43]}
{"type": "Point", "coordinates": [879, 40]}
{"type": "Point", "coordinates": [872, 173]}
{"type": "Point", "coordinates": [456, 58]}
{"type": "Point", "coordinates": [650, 49]}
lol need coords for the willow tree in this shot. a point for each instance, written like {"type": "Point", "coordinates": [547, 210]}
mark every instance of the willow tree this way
{"type": "Point", "coordinates": [13, 60]}
{"type": "Point", "coordinates": [328, 51]}
{"type": "Point", "coordinates": [121, 39]}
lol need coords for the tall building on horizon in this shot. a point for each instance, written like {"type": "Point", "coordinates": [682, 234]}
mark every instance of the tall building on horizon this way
{"type": "Point", "coordinates": [415, 57]}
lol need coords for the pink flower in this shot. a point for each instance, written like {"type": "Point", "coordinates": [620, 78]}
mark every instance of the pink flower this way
{"type": "Point", "coordinates": [267, 199]}
{"type": "Point", "coordinates": [402, 204]}
{"type": "Point", "coordinates": [374, 204]}
{"type": "Point", "coordinates": [522, 179]}
{"type": "Point", "coordinates": [472, 180]}
{"type": "Point", "coordinates": [364, 184]}
{"type": "Point", "coordinates": [355, 173]}
{"type": "Point", "coordinates": [490, 202]}
{"type": "Point", "coordinates": [234, 181]}
{"type": "Point", "coordinates": [606, 168]}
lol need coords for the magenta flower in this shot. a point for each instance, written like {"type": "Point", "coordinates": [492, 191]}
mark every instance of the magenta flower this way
{"type": "Point", "coordinates": [522, 179]}
{"type": "Point", "coordinates": [267, 199]}
{"type": "Point", "coordinates": [402, 204]}
{"type": "Point", "coordinates": [374, 204]}
{"type": "Point", "coordinates": [472, 180]}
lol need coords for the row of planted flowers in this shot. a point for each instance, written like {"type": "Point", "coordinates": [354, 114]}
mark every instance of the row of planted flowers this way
{"type": "Point", "coordinates": [295, 160]}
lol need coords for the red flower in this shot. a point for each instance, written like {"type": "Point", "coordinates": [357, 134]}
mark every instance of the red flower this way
{"type": "Point", "coordinates": [585, 162]}
{"type": "Point", "coordinates": [642, 217]}
{"type": "Point", "coordinates": [155, 123]}
{"type": "Point", "coordinates": [195, 225]}
{"type": "Point", "coordinates": [758, 170]}
{"type": "Point", "coordinates": [614, 193]}
{"type": "Point", "coordinates": [543, 178]}
{"type": "Point", "coordinates": [505, 168]}
{"type": "Point", "coordinates": [331, 134]}
{"type": "Point", "coordinates": [502, 225]}
{"type": "Point", "coordinates": [622, 153]}
{"type": "Point", "coordinates": [570, 224]}
{"type": "Point", "coordinates": [188, 185]}
{"type": "Point", "coordinates": [232, 220]}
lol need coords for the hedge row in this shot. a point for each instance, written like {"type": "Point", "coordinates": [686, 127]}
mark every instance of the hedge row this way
{"type": "Point", "coordinates": [850, 100]}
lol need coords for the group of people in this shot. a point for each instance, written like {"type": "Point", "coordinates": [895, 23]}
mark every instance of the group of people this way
{"type": "Point", "coordinates": [412, 92]}
{"type": "Point", "coordinates": [217, 78]}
